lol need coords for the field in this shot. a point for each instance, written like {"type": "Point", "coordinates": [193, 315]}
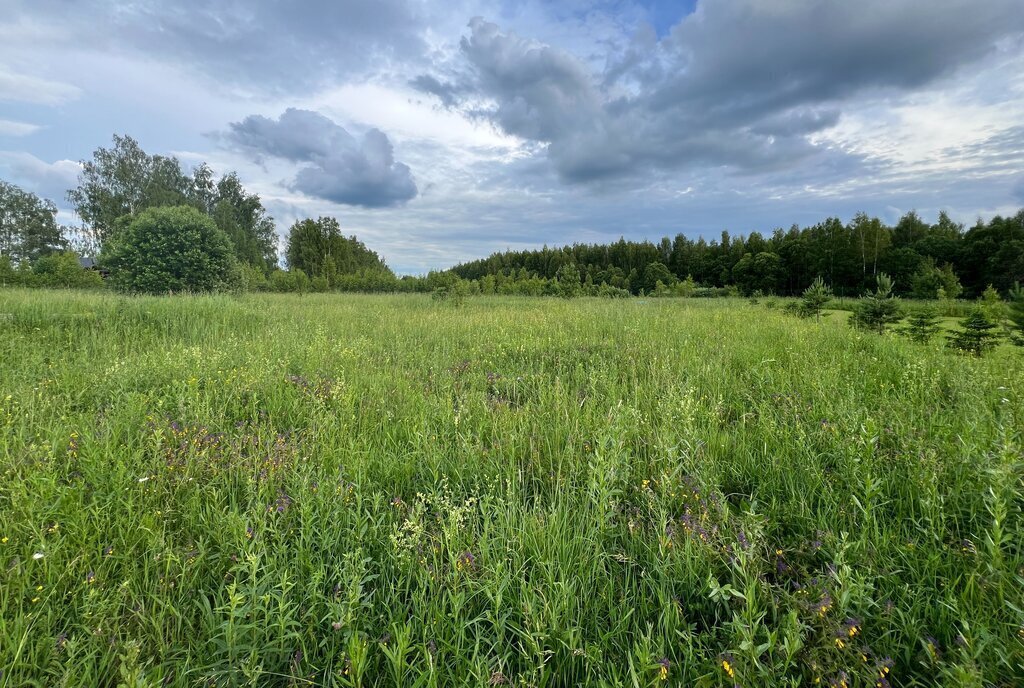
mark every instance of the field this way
{"type": "Point", "coordinates": [387, 490]}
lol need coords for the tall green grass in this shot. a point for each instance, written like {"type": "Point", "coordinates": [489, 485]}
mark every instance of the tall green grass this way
{"type": "Point", "coordinates": [385, 490]}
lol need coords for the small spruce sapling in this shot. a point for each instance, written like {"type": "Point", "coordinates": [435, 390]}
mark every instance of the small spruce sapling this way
{"type": "Point", "coordinates": [922, 325]}
{"type": "Point", "coordinates": [878, 309]}
{"type": "Point", "coordinates": [977, 335]}
{"type": "Point", "coordinates": [814, 299]}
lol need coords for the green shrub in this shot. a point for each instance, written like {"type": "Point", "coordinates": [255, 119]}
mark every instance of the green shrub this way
{"type": "Point", "coordinates": [62, 270]}
{"type": "Point", "coordinates": [170, 250]}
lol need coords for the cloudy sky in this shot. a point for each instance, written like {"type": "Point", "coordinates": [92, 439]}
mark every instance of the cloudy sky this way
{"type": "Point", "coordinates": [444, 131]}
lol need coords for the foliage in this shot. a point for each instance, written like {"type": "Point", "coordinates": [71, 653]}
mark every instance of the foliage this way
{"type": "Point", "coordinates": [122, 181]}
{"type": "Point", "coordinates": [318, 248]}
{"type": "Point", "coordinates": [930, 280]}
{"type": "Point", "coordinates": [62, 270]}
{"type": "Point", "coordinates": [922, 324]}
{"type": "Point", "coordinates": [814, 299]}
{"type": "Point", "coordinates": [992, 304]}
{"type": "Point", "coordinates": [171, 250]}
{"type": "Point", "coordinates": [653, 274]}
{"type": "Point", "coordinates": [567, 281]}
{"type": "Point", "coordinates": [271, 490]}
{"type": "Point", "coordinates": [977, 335]}
{"type": "Point", "coordinates": [877, 309]}
{"type": "Point", "coordinates": [28, 226]}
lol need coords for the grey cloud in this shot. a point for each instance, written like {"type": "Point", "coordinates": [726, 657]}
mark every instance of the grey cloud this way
{"type": "Point", "coordinates": [266, 44]}
{"type": "Point", "coordinates": [336, 166]}
{"type": "Point", "coordinates": [542, 93]}
{"type": "Point", "coordinates": [740, 84]}
{"type": "Point", "coordinates": [446, 92]}
{"type": "Point", "coordinates": [748, 56]}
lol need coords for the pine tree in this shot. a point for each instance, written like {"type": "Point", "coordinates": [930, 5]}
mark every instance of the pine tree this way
{"type": "Point", "coordinates": [814, 299]}
{"type": "Point", "coordinates": [977, 336]}
{"type": "Point", "coordinates": [879, 309]}
{"type": "Point", "coordinates": [922, 325]}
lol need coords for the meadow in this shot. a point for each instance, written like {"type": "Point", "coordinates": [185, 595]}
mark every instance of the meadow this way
{"type": "Point", "coordinates": [345, 490]}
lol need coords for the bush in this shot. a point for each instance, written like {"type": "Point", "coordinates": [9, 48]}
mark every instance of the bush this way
{"type": "Point", "coordinates": [281, 281]}
{"type": "Point", "coordinates": [252, 278]}
{"type": "Point", "coordinates": [171, 249]}
{"type": "Point", "coordinates": [62, 270]}
{"type": "Point", "coordinates": [607, 291]}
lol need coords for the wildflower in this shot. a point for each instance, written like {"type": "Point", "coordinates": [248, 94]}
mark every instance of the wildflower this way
{"type": "Point", "coordinates": [852, 627]}
{"type": "Point", "coordinates": [497, 679]}
{"type": "Point", "coordinates": [3, 540]}
{"type": "Point", "coordinates": [108, 550]}
{"type": "Point", "coordinates": [840, 644]}
{"type": "Point", "coordinates": [62, 640]}
{"type": "Point", "coordinates": [35, 600]}
{"type": "Point", "coordinates": [840, 681]}
{"type": "Point", "coordinates": [336, 625]}
{"type": "Point", "coordinates": [741, 538]}
{"type": "Point", "coordinates": [727, 667]}
{"type": "Point", "coordinates": [90, 578]}
{"type": "Point", "coordinates": [53, 528]}
{"type": "Point", "coordinates": [967, 547]}
{"type": "Point", "coordinates": [824, 605]}
{"type": "Point", "coordinates": [249, 533]}
{"type": "Point", "coordinates": [663, 667]}
{"type": "Point", "coordinates": [281, 504]}
{"type": "Point", "coordinates": [465, 561]}
{"type": "Point", "coordinates": [396, 502]}
{"type": "Point", "coordinates": [38, 555]}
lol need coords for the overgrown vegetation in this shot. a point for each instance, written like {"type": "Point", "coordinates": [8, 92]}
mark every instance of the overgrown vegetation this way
{"type": "Point", "coordinates": [382, 490]}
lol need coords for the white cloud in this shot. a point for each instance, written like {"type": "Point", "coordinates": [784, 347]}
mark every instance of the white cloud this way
{"type": "Point", "coordinates": [49, 180]}
{"type": "Point", "coordinates": [11, 128]}
{"type": "Point", "coordinates": [32, 89]}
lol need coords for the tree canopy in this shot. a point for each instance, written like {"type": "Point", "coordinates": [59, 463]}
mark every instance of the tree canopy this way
{"type": "Point", "coordinates": [28, 225]}
{"type": "Point", "coordinates": [318, 248]}
{"type": "Point", "coordinates": [123, 180]}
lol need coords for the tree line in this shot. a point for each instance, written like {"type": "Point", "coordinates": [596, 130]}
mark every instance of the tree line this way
{"type": "Point", "coordinates": [919, 257]}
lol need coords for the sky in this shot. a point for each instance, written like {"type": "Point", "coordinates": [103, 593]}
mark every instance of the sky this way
{"type": "Point", "coordinates": [440, 132]}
